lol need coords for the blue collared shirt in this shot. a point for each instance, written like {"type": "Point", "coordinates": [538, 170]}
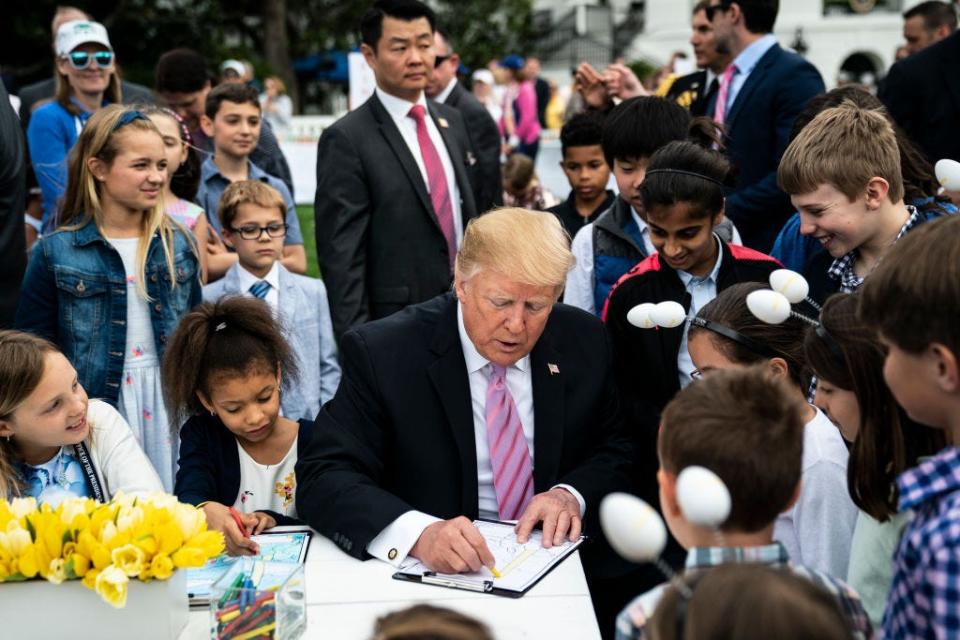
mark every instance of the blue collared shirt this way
{"type": "Point", "coordinates": [702, 291]}
{"type": "Point", "coordinates": [924, 599]}
{"type": "Point", "coordinates": [745, 64]}
{"type": "Point", "coordinates": [213, 184]}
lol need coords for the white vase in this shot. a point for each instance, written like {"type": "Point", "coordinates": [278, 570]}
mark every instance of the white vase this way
{"type": "Point", "coordinates": [38, 609]}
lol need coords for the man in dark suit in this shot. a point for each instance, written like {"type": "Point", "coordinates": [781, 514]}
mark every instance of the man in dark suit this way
{"type": "Point", "coordinates": [922, 93]}
{"type": "Point", "coordinates": [764, 88]}
{"type": "Point", "coordinates": [694, 91]}
{"type": "Point", "coordinates": [484, 135]}
{"type": "Point", "coordinates": [408, 452]}
{"type": "Point", "coordinates": [13, 192]}
{"type": "Point", "coordinates": [394, 183]}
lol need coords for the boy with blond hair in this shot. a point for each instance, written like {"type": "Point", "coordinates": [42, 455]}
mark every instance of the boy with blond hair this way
{"type": "Point", "coordinates": [843, 175]}
{"type": "Point", "coordinates": [913, 300]}
{"type": "Point", "coordinates": [251, 215]}
{"type": "Point", "coordinates": [747, 429]}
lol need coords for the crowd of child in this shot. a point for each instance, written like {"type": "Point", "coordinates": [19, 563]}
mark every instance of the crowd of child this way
{"type": "Point", "coordinates": [170, 293]}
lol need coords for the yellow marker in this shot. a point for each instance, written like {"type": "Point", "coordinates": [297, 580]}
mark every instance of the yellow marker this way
{"type": "Point", "coordinates": [496, 574]}
{"type": "Point", "coordinates": [256, 632]}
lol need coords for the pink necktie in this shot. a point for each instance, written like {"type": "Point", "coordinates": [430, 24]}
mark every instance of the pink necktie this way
{"type": "Point", "coordinates": [509, 457]}
{"type": "Point", "coordinates": [720, 110]}
{"type": "Point", "coordinates": [436, 181]}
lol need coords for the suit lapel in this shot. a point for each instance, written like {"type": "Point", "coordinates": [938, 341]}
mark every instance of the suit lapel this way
{"type": "Point", "coordinates": [231, 281]}
{"type": "Point", "coordinates": [756, 77]}
{"type": "Point", "coordinates": [457, 158]}
{"type": "Point", "coordinates": [400, 149]}
{"type": "Point", "coordinates": [547, 377]}
{"type": "Point", "coordinates": [950, 75]}
{"type": "Point", "coordinates": [448, 374]}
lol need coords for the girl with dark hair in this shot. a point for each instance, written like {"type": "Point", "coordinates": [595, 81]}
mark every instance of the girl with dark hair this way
{"type": "Point", "coordinates": [847, 358]}
{"type": "Point", "coordinates": [818, 527]}
{"type": "Point", "coordinates": [222, 374]}
{"type": "Point", "coordinates": [183, 178]}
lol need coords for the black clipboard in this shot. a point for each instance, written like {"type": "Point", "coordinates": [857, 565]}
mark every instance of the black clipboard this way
{"type": "Point", "coordinates": [483, 586]}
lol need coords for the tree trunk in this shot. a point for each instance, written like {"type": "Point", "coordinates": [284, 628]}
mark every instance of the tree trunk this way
{"type": "Point", "coordinates": [276, 45]}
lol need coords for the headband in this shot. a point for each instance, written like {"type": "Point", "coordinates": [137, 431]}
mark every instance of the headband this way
{"type": "Point", "coordinates": [686, 173]}
{"type": "Point", "coordinates": [127, 118]}
{"type": "Point", "coordinates": [731, 334]}
{"type": "Point", "coordinates": [830, 341]}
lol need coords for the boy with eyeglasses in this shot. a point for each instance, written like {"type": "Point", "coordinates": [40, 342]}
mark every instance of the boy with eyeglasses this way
{"type": "Point", "coordinates": [251, 214]}
{"type": "Point", "coordinates": [232, 120]}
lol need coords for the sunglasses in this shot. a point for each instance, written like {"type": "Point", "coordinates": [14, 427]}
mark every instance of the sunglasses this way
{"type": "Point", "coordinates": [81, 59]}
{"type": "Point", "coordinates": [712, 9]}
{"type": "Point", "coordinates": [439, 60]}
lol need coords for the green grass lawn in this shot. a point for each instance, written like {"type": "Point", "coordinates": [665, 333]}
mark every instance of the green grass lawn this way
{"type": "Point", "coordinates": [305, 214]}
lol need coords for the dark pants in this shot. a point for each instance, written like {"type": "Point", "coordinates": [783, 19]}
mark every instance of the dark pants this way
{"type": "Point", "coordinates": [529, 150]}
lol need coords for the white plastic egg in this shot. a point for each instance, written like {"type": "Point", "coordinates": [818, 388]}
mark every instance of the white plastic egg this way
{"type": "Point", "coordinates": [769, 306]}
{"type": "Point", "coordinates": [791, 284]}
{"type": "Point", "coordinates": [703, 497]}
{"type": "Point", "coordinates": [669, 314]}
{"type": "Point", "coordinates": [639, 316]}
{"type": "Point", "coordinates": [634, 528]}
{"type": "Point", "coordinates": [948, 173]}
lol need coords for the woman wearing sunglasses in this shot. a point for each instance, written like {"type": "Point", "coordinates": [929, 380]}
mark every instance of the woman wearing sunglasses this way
{"type": "Point", "coordinates": [87, 79]}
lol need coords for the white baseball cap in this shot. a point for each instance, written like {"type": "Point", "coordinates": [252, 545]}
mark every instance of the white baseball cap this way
{"type": "Point", "coordinates": [233, 65]}
{"type": "Point", "coordinates": [484, 75]}
{"type": "Point", "coordinates": [72, 34]}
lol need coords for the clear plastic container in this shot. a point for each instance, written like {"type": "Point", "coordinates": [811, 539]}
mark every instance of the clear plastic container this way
{"type": "Point", "coordinates": [258, 599]}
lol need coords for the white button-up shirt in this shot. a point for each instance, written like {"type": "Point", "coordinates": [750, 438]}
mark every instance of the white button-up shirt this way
{"type": "Point", "coordinates": [399, 110]}
{"type": "Point", "coordinates": [247, 280]}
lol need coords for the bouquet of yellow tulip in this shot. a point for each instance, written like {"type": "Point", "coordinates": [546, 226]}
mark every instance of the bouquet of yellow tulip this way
{"type": "Point", "coordinates": [104, 545]}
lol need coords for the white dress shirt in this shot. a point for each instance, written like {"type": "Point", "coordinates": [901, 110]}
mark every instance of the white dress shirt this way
{"type": "Point", "coordinates": [579, 288]}
{"type": "Point", "coordinates": [702, 291]}
{"type": "Point", "coordinates": [443, 95]}
{"type": "Point", "coordinates": [247, 280]}
{"type": "Point", "coordinates": [398, 108]}
{"type": "Point", "coordinates": [393, 544]}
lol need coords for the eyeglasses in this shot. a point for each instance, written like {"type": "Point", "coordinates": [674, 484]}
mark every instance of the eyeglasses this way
{"type": "Point", "coordinates": [712, 9]}
{"type": "Point", "coordinates": [253, 232]}
{"type": "Point", "coordinates": [81, 59]}
{"type": "Point", "coordinates": [439, 60]}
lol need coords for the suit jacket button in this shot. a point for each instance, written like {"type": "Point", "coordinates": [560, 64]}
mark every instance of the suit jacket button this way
{"type": "Point", "coordinates": [392, 554]}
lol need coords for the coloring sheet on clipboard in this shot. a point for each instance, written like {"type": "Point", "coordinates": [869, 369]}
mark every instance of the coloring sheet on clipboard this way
{"type": "Point", "coordinates": [520, 565]}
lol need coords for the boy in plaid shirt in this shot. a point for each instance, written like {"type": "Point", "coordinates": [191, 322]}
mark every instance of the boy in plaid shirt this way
{"type": "Point", "coordinates": [748, 429]}
{"type": "Point", "coordinates": [913, 299]}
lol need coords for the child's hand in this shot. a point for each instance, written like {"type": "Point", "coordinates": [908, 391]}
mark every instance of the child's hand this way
{"type": "Point", "coordinates": [214, 243]}
{"type": "Point", "coordinates": [220, 519]}
{"type": "Point", "coordinates": [264, 521]}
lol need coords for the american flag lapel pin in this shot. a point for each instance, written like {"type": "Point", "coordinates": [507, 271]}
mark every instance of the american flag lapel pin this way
{"type": "Point", "coordinates": [553, 369]}
{"type": "Point", "coordinates": [443, 122]}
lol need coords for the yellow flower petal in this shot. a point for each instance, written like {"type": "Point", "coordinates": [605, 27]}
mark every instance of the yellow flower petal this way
{"type": "Point", "coordinates": [111, 584]}
{"type": "Point", "coordinates": [129, 559]}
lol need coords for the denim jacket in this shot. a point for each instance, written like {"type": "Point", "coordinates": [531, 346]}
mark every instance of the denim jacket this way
{"type": "Point", "coordinates": [74, 294]}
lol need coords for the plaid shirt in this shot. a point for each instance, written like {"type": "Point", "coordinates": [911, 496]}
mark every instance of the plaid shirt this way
{"type": "Point", "coordinates": [842, 268]}
{"type": "Point", "coordinates": [632, 620]}
{"type": "Point", "coordinates": [924, 598]}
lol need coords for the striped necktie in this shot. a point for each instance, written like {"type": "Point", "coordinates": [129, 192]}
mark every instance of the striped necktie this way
{"type": "Point", "coordinates": [509, 456]}
{"type": "Point", "coordinates": [437, 182]}
{"type": "Point", "coordinates": [723, 94]}
{"type": "Point", "coordinates": [259, 289]}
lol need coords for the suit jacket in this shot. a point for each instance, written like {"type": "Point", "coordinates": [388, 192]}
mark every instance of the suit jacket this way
{"type": "Point", "coordinates": [379, 244]}
{"type": "Point", "coordinates": [922, 93]}
{"type": "Point", "coordinates": [485, 140]}
{"type": "Point", "coordinates": [399, 433]}
{"type": "Point", "coordinates": [691, 92]}
{"type": "Point", "coordinates": [302, 302]}
{"type": "Point", "coordinates": [31, 94]}
{"type": "Point", "coordinates": [758, 131]}
{"type": "Point", "coordinates": [13, 193]}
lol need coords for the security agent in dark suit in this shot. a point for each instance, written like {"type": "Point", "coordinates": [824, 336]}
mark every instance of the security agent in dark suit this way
{"type": "Point", "coordinates": [405, 454]}
{"type": "Point", "coordinates": [769, 88]}
{"type": "Point", "coordinates": [484, 134]}
{"type": "Point", "coordinates": [922, 93]}
{"type": "Point", "coordinates": [382, 241]}
{"type": "Point", "coordinates": [13, 192]}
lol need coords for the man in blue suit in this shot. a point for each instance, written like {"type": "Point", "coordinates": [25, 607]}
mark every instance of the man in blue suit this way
{"type": "Point", "coordinates": [764, 89]}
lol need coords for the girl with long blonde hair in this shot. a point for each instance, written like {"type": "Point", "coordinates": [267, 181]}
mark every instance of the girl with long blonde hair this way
{"type": "Point", "coordinates": [109, 286]}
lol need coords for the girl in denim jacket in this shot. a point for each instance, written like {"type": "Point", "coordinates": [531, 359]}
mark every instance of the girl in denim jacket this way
{"type": "Point", "coordinates": [109, 286]}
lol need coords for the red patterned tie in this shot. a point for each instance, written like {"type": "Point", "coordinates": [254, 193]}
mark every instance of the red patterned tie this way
{"type": "Point", "coordinates": [436, 181]}
{"type": "Point", "coordinates": [509, 456]}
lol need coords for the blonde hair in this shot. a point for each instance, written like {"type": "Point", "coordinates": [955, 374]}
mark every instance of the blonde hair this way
{"type": "Point", "coordinates": [529, 246]}
{"type": "Point", "coordinates": [844, 146]}
{"type": "Point", "coordinates": [21, 368]}
{"type": "Point", "coordinates": [248, 192]}
{"type": "Point", "coordinates": [281, 87]}
{"type": "Point", "coordinates": [81, 203]}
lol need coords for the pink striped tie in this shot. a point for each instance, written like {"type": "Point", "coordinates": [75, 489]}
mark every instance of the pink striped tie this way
{"type": "Point", "coordinates": [436, 182]}
{"type": "Point", "coordinates": [720, 110]}
{"type": "Point", "coordinates": [509, 457]}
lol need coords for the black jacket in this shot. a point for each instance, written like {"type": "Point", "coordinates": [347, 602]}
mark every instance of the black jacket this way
{"type": "Point", "coordinates": [379, 244]}
{"type": "Point", "coordinates": [692, 92]}
{"type": "Point", "coordinates": [210, 463]}
{"type": "Point", "coordinates": [399, 433]}
{"type": "Point", "coordinates": [485, 140]}
{"type": "Point", "coordinates": [13, 191]}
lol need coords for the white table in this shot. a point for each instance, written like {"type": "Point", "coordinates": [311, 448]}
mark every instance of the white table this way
{"type": "Point", "coordinates": [345, 596]}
